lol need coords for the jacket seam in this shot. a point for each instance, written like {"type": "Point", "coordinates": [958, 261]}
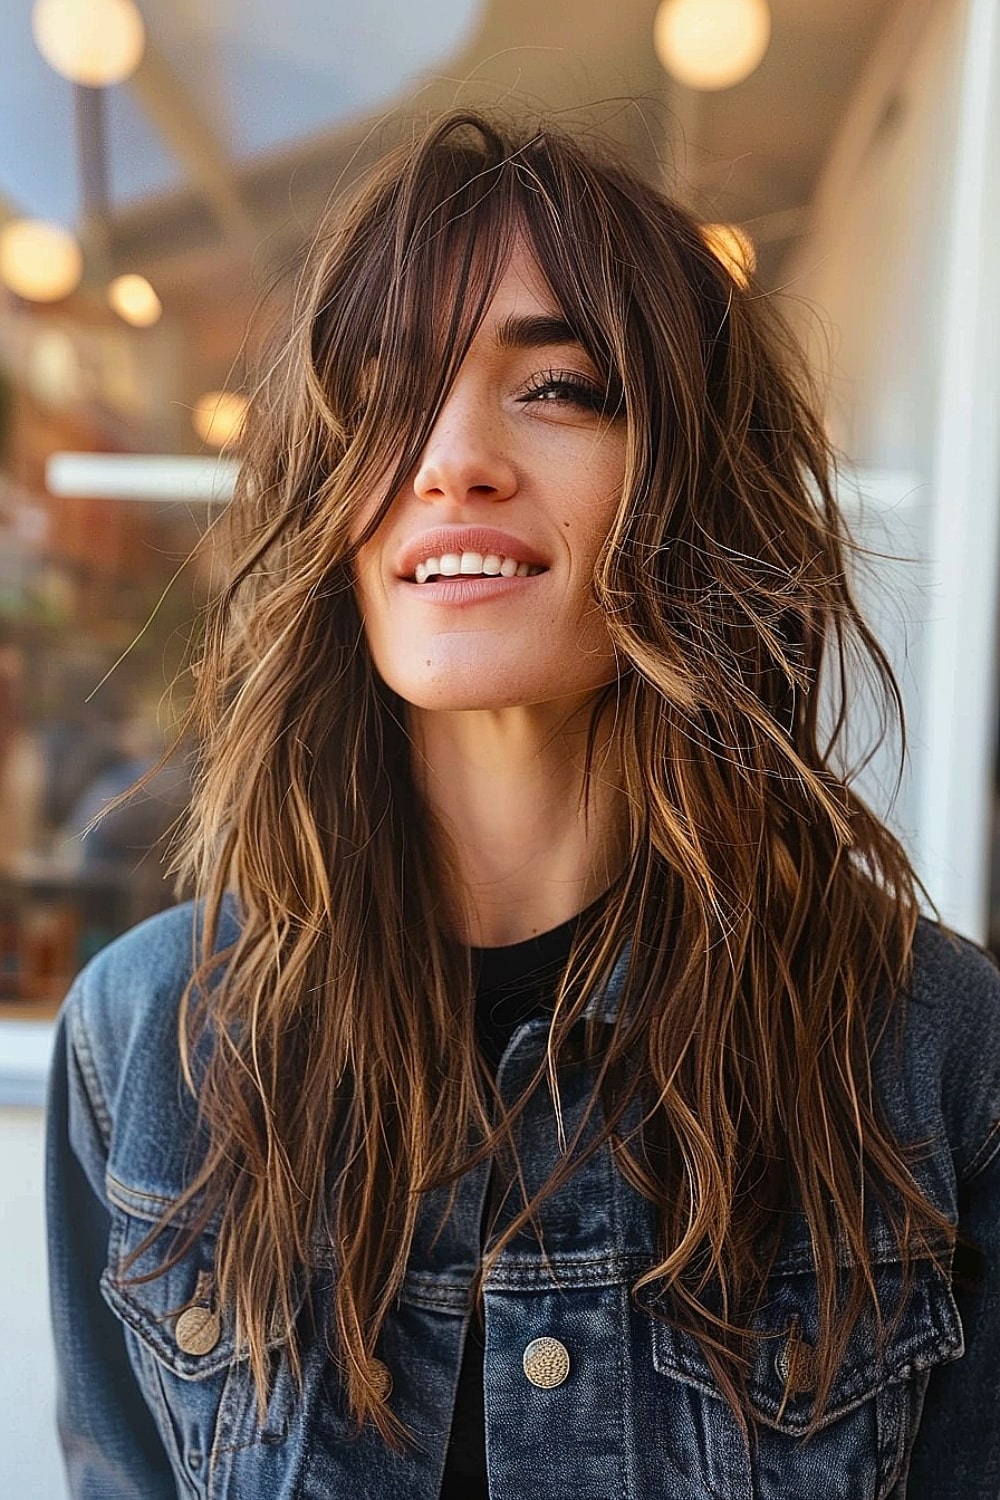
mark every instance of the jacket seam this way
{"type": "Point", "coordinates": [418, 1298]}
{"type": "Point", "coordinates": [149, 1207]}
{"type": "Point", "coordinates": [91, 1081]}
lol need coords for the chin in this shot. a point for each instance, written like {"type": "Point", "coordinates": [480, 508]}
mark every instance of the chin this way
{"type": "Point", "coordinates": [441, 695]}
{"type": "Point", "coordinates": [450, 697]}
{"type": "Point", "coordinates": [456, 682]}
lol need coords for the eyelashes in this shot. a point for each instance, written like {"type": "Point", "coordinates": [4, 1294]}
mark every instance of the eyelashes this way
{"type": "Point", "coordinates": [570, 387]}
{"type": "Point", "coordinates": [555, 387]}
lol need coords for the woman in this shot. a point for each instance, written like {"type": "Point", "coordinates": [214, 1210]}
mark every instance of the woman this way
{"type": "Point", "coordinates": [555, 1080]}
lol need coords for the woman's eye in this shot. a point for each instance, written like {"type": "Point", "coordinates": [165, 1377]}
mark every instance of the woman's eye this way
{"type": "Point", "coordinates": [566, 387]}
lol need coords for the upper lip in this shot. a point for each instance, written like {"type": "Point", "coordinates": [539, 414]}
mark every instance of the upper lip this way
{"type": "Point", "coordinates": [482, 539]}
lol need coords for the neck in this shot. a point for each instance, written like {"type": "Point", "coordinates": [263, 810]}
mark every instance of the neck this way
{"type": "Point", "coordinates": [532, 843]}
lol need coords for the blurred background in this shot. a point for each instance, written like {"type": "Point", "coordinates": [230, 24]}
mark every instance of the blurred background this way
{"type": "Point", "coordinates": [161, 171]}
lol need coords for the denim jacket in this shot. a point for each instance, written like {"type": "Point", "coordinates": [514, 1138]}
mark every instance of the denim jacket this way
{"type": "Point", "coordinates": [155, 1400]}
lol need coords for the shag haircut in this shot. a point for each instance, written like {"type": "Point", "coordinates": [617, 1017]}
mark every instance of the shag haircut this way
{"type": "Point", "coordinates": [768, 914]}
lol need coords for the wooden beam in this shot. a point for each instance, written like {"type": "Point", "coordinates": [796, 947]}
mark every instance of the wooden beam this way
{"type": "Point", "coordinates": [190, 139]}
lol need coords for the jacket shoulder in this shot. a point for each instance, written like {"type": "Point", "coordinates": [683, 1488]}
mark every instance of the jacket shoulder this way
{"type": "Point", "coordinates": [121, 1019]}
{"type": "Point", "coordinates": [948, 967]}
{"type": "Point", "coordinates": [953, 1022]}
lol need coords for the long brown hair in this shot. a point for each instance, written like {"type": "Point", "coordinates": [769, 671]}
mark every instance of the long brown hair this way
{"type": "Point", "coordinates": [763, 906]}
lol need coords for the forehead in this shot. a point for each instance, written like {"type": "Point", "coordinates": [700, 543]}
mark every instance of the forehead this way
{"type": "Point", "coordinates": [521, 285]}
{"type": "Point", "coordinates": [522, 311]}
{"type": "Point", "coordinates": [519, 311]}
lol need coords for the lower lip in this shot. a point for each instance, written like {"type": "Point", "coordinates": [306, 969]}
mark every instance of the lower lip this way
{"type": "Point", "coordinates": [458, 590]}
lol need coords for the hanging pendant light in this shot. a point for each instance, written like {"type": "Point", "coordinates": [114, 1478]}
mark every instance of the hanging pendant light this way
{"type": "Point", "coordinates": [41, 262]}
{"type": "Point", "coordinates": [133, 299]}
{"type": "Point", "coordinates": [94, 42]}
{"type": "Point", "coordinates": [711, 44]}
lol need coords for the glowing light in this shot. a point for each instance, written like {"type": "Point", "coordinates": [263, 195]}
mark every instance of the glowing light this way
{"type": "Point", "coordinates": [52, 367]}
{"type": "Point", "coordinates": [734, 247]}
{"type": "Point", "coordinates": [134, 299]}
{"type": "Point", "coordinates": [96, 42]}
{"type": "Point", "coordinates": [218, 417]}
{"type": "Point", "coordinates": [711, 44]}
{"type": "Point", "coordinates": [38, 260]}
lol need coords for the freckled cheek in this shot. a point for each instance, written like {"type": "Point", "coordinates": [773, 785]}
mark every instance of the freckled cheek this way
{"type": "Point", "coordinates": [585, 533]}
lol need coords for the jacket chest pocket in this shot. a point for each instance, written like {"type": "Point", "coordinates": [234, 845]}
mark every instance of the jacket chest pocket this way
{"type": "Point", "coordinates": [182, 1348]}
{"type": "Point", "coordinates": [867, 1424]}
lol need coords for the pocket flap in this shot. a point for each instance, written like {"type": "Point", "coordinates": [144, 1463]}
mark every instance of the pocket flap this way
{"type": "Point", "coordinates": [928, 1332]}
{"type": "Point", "coordinates": [175, 1311]}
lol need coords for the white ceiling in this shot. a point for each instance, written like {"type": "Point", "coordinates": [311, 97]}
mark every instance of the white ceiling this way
{"type": "Point", "coordinates": [258, 76]}
{"type": "Point", "coordinates": [231, 136]}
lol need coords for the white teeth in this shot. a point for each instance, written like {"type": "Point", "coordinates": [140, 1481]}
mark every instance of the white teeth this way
{"type": "Point", "coordinates": [473, 565]}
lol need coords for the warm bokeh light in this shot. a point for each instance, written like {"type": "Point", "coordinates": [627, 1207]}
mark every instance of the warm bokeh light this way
{"type": "Point", "coordinates": [53, 367]}
{"type": "Point", "coordinates": [734, 247]}
{"type": "Point", "coordinates": [96, 42]}
{"type": "Point", "coordinates": [218, 417]}
{"type": "Point", "coordinates": [711, 44]}
{"type": "Point", "coordinates": [38, 260]}
{"type": "Point", "coordinates": [133, 299]}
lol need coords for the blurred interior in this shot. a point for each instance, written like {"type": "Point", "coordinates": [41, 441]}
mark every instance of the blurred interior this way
{"type": "Point", "coordinates": [203, 172]}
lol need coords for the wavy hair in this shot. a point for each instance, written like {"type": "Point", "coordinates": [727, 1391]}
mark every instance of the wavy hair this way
{"type": "Point", "coordinates": [765, 909]}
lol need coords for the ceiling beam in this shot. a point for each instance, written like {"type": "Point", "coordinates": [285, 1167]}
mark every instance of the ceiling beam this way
{"type": "Point", "coordinates": [191, 140]}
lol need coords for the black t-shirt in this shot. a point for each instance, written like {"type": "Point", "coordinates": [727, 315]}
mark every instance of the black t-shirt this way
{"type": "Point", "coordinates": [513, 985]}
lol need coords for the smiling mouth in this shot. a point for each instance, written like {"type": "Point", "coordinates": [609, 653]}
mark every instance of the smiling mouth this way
{"type": "Point", "coordinates": [472, 565]}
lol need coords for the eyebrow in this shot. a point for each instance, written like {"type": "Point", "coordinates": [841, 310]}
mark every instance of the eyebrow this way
{"type": "Point", "coordinates": [533, 332]}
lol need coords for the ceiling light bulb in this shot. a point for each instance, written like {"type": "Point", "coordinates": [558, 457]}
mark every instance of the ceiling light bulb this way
{"type": "Point", "coordinates": [41, 262]}
{"type": "Point", "coordinates": [95, 42]}
{"type": "Point", "coordinates": [218, 417]}
{"type": "Point", "coordinates": [134, 299]}
{"type": "Point", "coordinates": [734, 247]}
{"type": "Point", "coordinates": [711, 44]}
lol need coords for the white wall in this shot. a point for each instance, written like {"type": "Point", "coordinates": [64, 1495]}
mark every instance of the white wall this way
{"type": "Point", "coordinates": [30, 1464]}
{"type": "Point", "coordinates": [897, 275]}
{"type": "Point", "coordinates": [874, 266]}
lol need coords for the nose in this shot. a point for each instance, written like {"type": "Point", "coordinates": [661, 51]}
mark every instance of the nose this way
{"type": "Point", "coordinates": [466, 455]}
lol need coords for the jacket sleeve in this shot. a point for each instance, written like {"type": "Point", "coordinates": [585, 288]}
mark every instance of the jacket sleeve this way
{"type": "Point", "coordinates": [956, 1454]}
{"type": "Point", "coordinates": [110, 1443]}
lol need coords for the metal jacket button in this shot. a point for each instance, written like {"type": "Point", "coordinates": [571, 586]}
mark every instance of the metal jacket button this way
{"type": "Point", "coordinates": [546, 1363]}
{"type": "Point", "coordinates": [198, 1330]}
{"type": "Point", "coordinates": [382, 1378]}
{"type": "Point", "coordinates": [796, 1362]}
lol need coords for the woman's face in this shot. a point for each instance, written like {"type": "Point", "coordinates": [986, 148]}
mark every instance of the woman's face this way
{"type": "Point", "coordinates": [475, 589]}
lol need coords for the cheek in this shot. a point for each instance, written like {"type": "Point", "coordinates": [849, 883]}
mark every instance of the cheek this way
{"type": "Point", "coordinates": [605, 474]}
{"type": "Point", "coordinates": [368, 592]}
{"type": "Point", "coordinates": [586, 529]}
{"type": "Point", "coordinates": [369, 557]}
